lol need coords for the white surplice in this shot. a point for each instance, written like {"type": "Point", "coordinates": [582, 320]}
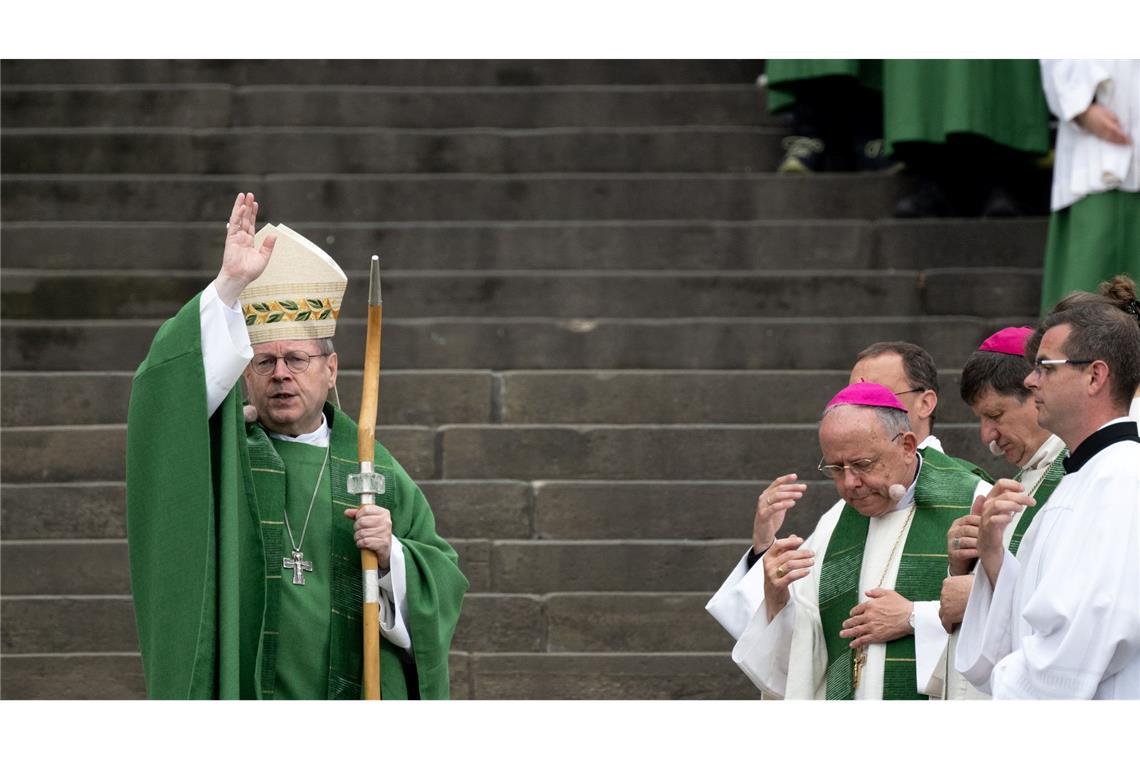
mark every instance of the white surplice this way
{"type": "Point", "coordinates": [1063, 620]}
{"type": "Point", "coordinates": [947, 680]}
{"type": "Point", "coordinates": [787, 656]}
{"type": "Point", "coordinates": [1084, 163]}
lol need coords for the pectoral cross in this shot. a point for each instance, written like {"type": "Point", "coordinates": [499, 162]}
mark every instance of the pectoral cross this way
{"type": "Point", "coordinates": [857, 666]}
{"type": "Point", "coordinates": [297, 564]}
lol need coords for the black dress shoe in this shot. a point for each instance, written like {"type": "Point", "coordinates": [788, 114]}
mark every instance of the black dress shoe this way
{"type": "Point", "coordinates": [1000, 202]}
{"type": "Point", "coordinates": [929, 199]}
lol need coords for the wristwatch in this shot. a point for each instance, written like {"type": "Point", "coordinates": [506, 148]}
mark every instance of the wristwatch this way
{"type": "Point", "coordinates": [911, 620]}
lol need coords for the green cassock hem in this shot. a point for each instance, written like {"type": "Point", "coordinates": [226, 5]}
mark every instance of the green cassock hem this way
{"type": "Point", "coordinates": [1090, 241]}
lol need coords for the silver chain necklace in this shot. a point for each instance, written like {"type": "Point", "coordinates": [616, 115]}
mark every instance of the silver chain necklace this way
{"type": "Point", "coordinates": [297, 562]}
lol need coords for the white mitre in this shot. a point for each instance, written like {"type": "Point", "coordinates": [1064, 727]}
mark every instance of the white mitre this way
{"type": "Point", "coordinates": [298, 296]}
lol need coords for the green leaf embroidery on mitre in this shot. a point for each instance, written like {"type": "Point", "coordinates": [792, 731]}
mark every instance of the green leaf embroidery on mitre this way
{"type": "Point", "coordinates": [289, 310]}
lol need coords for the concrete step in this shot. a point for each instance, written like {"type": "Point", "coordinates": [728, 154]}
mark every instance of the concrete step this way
{"type": "Point", "coordinates": [37, 568]}
{"type": "Point", "coordinates": [68, 453]}
{"type": "Point", "coordinates": [203, 106]}
{"type": "Point", "coordinates": [719, 245]}
{"type": "Point", "coordinates": [403, 73]}
{"type": "Point", "coordinates": [414, 397]}
{"type": "Point", "coordinates": [608, 676]}
{"type": "Point", "coordinates": [578, 622]}
{"type": "Point", "coordinates": [119, 676]}
{"type": "Point", "coordinates": [28, 294]}
{"type": "Point", "coordinates": [478, 676]}
{"type": "Point", "coordinates": [655, 452]}
{"type": "Point", "coordinates": [465, 509]}
{"type": "Point", "coordinates": [364, 151]}
{"type": "Point", "coordinates": [513, 452]}
{"type": "Point", "coordinates": [431, 397]}
{"type": "Point", "coordinates": [533, 343]}
{"type": "Point", "coordinates": [421, 197]}
{"type": "Point", "coordinates": [627, 397]}
{"type": "Point", "coordinates": [33, 568]}
{"type": "Point", "coordinates": [469, 509]}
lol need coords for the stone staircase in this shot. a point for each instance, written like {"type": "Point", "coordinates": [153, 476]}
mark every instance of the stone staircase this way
{"type": "Point", "coordinates": [608, 326]}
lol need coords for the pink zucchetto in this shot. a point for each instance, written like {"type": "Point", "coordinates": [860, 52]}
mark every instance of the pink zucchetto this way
{"type": "Point", "coordinates": [867, 394]}
{"type": "Point", "coordinates": [1008, 340]}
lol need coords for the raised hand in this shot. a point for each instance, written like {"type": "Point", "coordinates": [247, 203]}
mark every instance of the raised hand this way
{"type": "Point", "coordinates": [771, 508]}
{"type": "Point", "coordinates": [242, 263]}
{"type": "Point", "coordinates": [784, 563]}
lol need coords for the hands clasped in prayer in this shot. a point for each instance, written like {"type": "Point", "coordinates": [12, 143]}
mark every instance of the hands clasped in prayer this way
{"type": "Point", "coordinates": [1005, 499]}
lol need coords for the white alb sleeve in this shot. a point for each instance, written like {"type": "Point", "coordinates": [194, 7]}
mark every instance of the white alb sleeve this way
{"type": "Point", "coordinates": [929, 645]}
{"type": "Point", "coordinates": [738, 598]}
{"type": "Point", "coordinates": [394, 600]}
{"type": "Point", "coordinates": [225, 347]}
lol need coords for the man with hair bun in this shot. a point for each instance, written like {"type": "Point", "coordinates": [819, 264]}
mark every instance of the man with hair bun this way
{"type": "Point", "coordinates": [1118, 293]}
{"type": "Point", "coordinates": [1061, 619]}
{"type": "Point", "coordinates": [864, 625]}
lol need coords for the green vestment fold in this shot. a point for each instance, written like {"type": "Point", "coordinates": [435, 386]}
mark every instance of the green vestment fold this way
{"type": "Point", "coordinates": [204, 505]}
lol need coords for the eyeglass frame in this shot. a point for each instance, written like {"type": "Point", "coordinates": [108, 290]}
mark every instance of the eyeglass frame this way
{"type": "Point", "coordinates": [284, 358]}
{"type": "Point", "coordinates": [855, 466]}
{"type": "Point", "coordinates": [1041, 366]}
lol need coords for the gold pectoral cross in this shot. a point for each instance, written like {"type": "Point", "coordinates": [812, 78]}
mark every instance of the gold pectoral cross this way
{"type": "Point", "coordinates": [860, 660]}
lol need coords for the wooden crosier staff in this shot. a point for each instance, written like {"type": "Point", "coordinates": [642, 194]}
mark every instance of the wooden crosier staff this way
{"type": "Point", "coordinates": [367, 483]}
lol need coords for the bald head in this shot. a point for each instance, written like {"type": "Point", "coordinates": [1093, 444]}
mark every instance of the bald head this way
{"type": "Point", "coordinates": [877, 450]}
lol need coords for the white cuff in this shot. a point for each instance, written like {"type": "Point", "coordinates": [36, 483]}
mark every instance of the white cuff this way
{"type": "Point", "coordinates": [929, 645]}
{"type": "Point", "coordinates": [394, 600]}
{"type": "Point", "coordinates": [738, 598]}
{"type": "Point", "coordinates": [225, 346]}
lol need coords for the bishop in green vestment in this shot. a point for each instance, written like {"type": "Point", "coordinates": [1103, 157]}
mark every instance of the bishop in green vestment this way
{"type": "Point", "coordinates": [840, 616]}
{"type": "Point", "coordinates": [244, 541]}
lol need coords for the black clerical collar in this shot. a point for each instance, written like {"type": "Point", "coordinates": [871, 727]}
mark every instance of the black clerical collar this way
{"type": "Point", "coordinates": [1098, 442]}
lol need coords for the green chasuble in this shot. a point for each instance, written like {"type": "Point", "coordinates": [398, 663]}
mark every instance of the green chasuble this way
{"type": "Point", "coordinates": [786, 75]}
{"type": "Point", "coordinates": [944, 492]}
{"type": "Point", "coordinates": [206, 500]}
{"type": "Point", "coordinates": [929, 100]}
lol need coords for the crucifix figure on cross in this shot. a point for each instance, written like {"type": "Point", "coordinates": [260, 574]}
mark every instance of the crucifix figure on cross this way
{"type": "Point", "coordinates": [298, 563]}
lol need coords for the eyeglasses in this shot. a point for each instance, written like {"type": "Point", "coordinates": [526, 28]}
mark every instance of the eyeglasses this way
{"type": "Point", "coordinates": [912, 390]}
{"type": "Point", "coordinates": [296, 361]}
{"type": "Point", "coordinates": [859, 467]}
{"type": "Point", "coordinates": [1044, 366]}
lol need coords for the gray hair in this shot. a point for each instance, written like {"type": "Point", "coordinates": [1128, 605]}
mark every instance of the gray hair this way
{"type": "Point", "coordinates": [326, 345]}
{"type": "Point", "coordinates": [894, 421]}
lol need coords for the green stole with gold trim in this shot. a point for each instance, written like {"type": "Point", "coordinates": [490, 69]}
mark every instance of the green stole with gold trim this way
{"type": "Point", "coordinates": [1041, 494]}
{"type": "Point", "coordinates": [944, 492]}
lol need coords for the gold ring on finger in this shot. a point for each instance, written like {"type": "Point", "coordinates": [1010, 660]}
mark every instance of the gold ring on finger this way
{"type": "Point", "coordinates": [781, 571]}
{"type": "Point", "coordinates": [769, 498]}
